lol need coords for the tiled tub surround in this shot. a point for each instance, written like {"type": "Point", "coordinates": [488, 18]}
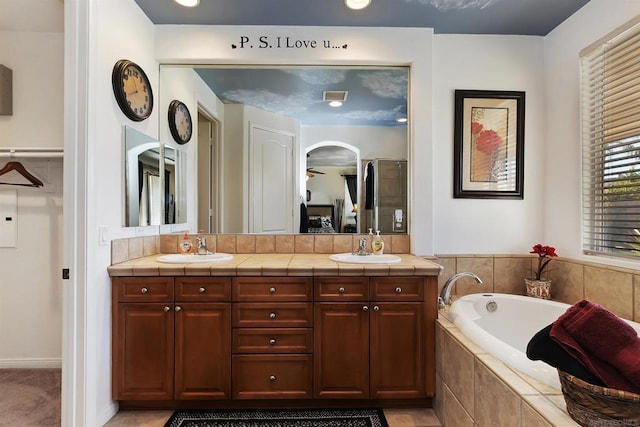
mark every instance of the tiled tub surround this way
{"type": "Point", "coordinates": [137, 247]}
{"type": "Point", "coordinates": [474, 388]}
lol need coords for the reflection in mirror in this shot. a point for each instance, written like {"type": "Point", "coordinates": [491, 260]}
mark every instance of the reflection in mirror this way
{"type": "Point", "coordinates": [150, 196]}
{"type": "Point", "coordinates": [270, 114]}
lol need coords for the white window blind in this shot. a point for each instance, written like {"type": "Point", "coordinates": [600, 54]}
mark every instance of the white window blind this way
{"type": "Point", "coordinates": [611, 145]}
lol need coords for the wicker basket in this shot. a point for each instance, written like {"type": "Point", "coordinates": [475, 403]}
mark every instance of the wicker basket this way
{"type": "Point", "coordinates": [594, 406]}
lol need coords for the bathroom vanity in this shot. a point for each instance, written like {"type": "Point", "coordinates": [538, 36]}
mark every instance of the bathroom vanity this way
{"type": "Point", "coordinates": [300, 331]}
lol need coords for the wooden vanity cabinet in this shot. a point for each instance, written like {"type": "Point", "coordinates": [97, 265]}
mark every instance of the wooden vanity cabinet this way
{"type": "Point", "coordinates": [272, 337]}
{"type": "Point", "coordinates": [171, 344]}
{"type": "Point", "coordinates": [370, 345]}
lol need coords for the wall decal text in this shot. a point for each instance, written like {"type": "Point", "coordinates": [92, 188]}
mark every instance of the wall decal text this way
{"type": "Point", "coordinates": [284, 42]}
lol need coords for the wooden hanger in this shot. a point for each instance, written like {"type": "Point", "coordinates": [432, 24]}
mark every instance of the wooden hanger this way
{"type": "Point", "coordinates": [18, 167]}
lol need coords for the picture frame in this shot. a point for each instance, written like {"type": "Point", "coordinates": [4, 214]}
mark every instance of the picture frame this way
{"type": "Point", "coordinates": [488, 144]}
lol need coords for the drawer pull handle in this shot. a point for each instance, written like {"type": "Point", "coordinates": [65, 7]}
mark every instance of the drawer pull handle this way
{"type": "Point", "coordinates": [376, 308]}
{"type": "Point", "coordinates": [166, 309]}
{"type": "Point", "coordinates": [272, 377]}
{"type": "Point", "coordinates": [144, 290]}
{"type": "Point", "coordinates": [272, 316]}
{"type": "Point", "coordinates": [365, 308]}
{"type": "Point", "coordinates": [398, 290]}
{"type": "Point", "coordinates": [341, 290]}
{"type": "Point", "coordinates": [202, 290]}
{"type": "Point", "coordinates": [272, 341]}
{"type": "Point", "coordinates": [178, 308]}
{"type": "Point", "coordinates": [272, 290]}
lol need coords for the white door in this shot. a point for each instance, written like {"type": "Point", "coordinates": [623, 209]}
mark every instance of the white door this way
{"type": "Point", "coordinates": [271, 181]}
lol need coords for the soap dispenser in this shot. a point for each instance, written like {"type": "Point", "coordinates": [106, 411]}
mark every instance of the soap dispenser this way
{"type": "Point", "coordinates": [378, 244]}
{"type": "Point", "coordinates": [185, 245]}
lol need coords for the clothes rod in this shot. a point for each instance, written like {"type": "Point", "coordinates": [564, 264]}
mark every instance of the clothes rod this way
{"type": "Point", "coordinates": [32, 152]}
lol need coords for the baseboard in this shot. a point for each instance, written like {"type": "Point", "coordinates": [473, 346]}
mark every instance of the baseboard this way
{"type": "Point", "coordinates": [35, 363]}
{"type": "Point", "coordinates": [107, 413]}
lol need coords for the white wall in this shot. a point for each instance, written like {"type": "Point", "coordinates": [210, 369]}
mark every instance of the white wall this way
{"type": "Point", "coordinates": [119, 31]}
{"type": "Point", "coordinates": [562, 158]}
{"type": "Point", "coordinates": [31, 298]}
{"type": "Point", "coordinates": [374, 142]}
{"type": "Point", "coordinates": [476, 226]}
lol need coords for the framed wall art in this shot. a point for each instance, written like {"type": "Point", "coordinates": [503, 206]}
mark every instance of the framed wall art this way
{"type": "Point", "coordinates": [488, 145]}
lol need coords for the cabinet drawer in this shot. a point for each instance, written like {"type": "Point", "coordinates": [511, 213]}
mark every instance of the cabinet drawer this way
{"type": "Point", "coordinates": [285, 314]}
{"type": "Point", "coordinates": [144, 289]}
{"type": "Point", "coordinates": [277, 376]}
{"type": "Point", "coordinates": [397, 288]}
{"type": "Point", "coordinates": [203, 289]}
{"type": "Point", "coordinates": [341, 289]}
{"type": "Point", "coordinates": [273, 340]}
{"type": "Point", "coordinates": [261, 289]}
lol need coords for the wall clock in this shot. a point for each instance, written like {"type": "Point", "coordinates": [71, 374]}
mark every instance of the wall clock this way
{"type": "Point", "coordinates": [180, 122]}
{"type": "Point", "coordinates": [132, 90]}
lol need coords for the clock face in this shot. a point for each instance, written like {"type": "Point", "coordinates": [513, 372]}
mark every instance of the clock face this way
{"type": "Point", "coordinates": [180, 122]}
{"type": "Point", "coordinates": [132, 90]}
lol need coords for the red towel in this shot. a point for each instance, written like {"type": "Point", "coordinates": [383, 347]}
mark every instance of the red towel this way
{"type": "Point", "coordinates": [604, 343]}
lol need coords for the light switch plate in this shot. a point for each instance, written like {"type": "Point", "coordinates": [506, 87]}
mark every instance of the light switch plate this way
{"type": "Point", "coordinates": [8, 219]}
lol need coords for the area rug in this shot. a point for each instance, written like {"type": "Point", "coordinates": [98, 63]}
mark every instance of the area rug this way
{"type": "Point", "coordinates": [279, 418]}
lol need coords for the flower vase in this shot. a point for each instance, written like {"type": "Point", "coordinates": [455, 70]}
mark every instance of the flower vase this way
{"type": "Point", "coordinates": [538, 288]}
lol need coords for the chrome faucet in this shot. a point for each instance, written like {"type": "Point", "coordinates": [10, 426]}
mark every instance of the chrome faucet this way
{"type": "Point", "coordinates": [445, 294]}
{"type": "Point", "coordinates": [362, 247]}
{"type": "Point", "coordinates": [201, 246]}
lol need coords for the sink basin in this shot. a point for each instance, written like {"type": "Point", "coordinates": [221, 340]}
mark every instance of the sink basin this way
{"type": "Point", "coordinates": [365, 259]}
{"type": "Point", "coordinates": [193, 258]}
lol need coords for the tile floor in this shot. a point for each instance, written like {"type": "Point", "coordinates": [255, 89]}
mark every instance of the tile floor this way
{"type": "Point", "coordinates": [395, 417]}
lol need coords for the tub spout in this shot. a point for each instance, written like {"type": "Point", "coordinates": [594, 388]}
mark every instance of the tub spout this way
{"type": "Point", "coordinates": [445, 295]}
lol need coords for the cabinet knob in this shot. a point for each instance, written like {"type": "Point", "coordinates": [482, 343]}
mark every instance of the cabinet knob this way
{"type": "Point", "coordinates": [272, 316]}
{"type": "Point", "coordinates": [178, 308]}
{"type": "Point", "coordinates": [144, 290]}
{"type": "Point", "coordinates": [341, 290]}
{"type": "Point", "coordinates": [202, 290]}
{"type": "Point", "coordinates": [272, 377]}
{"type": "Point", "coordinates": [365, 308]}
{"type": "Point", "coordinates": [376, 308]}
{"type": "Point", "coordinates": [272, 341]}
{"type": "Point", "coordinates": [272, 290]}
{"type": "Point", "coordinates": [166, 308]}
{"type": "Point", "coordinates": [398, 290]}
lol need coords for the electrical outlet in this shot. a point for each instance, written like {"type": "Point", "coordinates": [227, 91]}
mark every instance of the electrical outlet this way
{"type": "Point", "coordinates": [103, 235]}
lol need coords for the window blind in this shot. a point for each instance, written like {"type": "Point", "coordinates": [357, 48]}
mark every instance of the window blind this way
{"type": "Point", "coordinates": [611, 145]}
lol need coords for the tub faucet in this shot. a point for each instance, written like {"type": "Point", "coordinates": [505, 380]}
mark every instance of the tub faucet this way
{"type": "Point", "coordinates": [445, 294]}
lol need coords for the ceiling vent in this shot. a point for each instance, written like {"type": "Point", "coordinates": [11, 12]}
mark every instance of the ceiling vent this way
{"type": "Point", "coordinates": [335, 95]}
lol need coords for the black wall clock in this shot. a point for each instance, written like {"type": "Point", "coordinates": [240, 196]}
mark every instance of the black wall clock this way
{"type": "Point", "coordinates": [132, 90]}
{"type": "Point", "coordinates": [180, 122]}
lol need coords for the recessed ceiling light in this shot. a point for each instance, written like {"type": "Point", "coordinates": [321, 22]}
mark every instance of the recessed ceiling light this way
{"type": "Point", "coordinates": [188, 3]}
{"type": "Point", "coordinates": [357, 4]}
{"type": "Point", "coordinates": [402, 120]}
{"type": "Point", "coordinates": [335, 104]}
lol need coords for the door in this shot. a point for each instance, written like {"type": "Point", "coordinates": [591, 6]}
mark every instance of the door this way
{"type": "Point", "coordinates": [144, 345]}
{"type": "Point", "coordinates": [397, 350]}
{"type": "Point", "coordinates": [207, 174]}
{"type": "Point", "coordinates": [271, 181]}
{"type": "Point", "coordinates": [203, 350]}
{"type": "Point", "coordinates": [341, 350]}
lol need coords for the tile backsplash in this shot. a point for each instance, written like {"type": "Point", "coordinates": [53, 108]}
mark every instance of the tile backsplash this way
{"type": "Point", "coordinates": [617, 289]}
{"type": "Point", "coordinates": [126, 249]}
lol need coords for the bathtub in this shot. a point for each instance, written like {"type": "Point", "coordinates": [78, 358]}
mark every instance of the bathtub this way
{"type": "Point", "coordinates": [505, 332]}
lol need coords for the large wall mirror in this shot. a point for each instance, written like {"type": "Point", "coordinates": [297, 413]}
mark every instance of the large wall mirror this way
{"type": "Point", "coordinates": [151, 181]}
{"type": "Point", "coordinates": [272, 139]}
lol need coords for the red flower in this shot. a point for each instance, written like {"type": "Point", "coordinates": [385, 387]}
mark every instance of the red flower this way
{"type": "Point", "coordinates": [488, 141]}
{"type": "Point", "coordinates": [543, 252]}
{"type": "Point", "coordinates": [476, 128]}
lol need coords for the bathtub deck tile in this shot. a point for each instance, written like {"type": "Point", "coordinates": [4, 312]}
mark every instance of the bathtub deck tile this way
{"type": "Point", "coordinates": [466, 342]}
{"type": "Point", "coordinates": [506, 374]}
{"type": "Point", "coordinates": [541, 387]}
{"type": "Point", "coordinates": [550, 412]}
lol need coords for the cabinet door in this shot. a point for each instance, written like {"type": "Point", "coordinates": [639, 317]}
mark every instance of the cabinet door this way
{"type": "Point", "coordinates": [203, 350]}
{"type": "Point", "coordinates": [397, 359]}
{"type": "Point", "coordinates": [143, 356]}
{"type": "Point", "coordinates": [341, 350]}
